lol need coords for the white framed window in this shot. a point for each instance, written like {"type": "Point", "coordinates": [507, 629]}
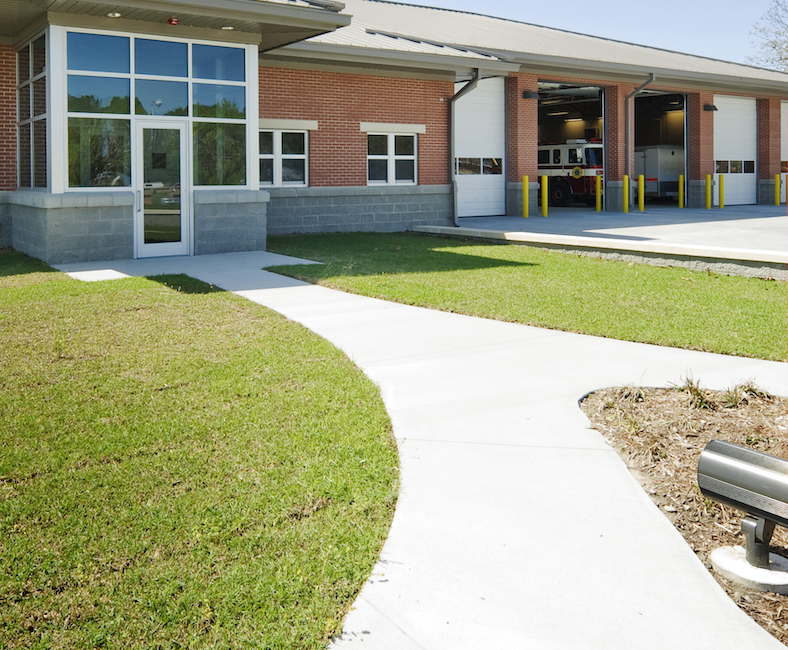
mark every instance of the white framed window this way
{"type": "Point", "coordinates": [391, 159]}
{"type": "Point", "coordinates": [284, 158]}
{"type": "Point", "coordinates": [32, 113]}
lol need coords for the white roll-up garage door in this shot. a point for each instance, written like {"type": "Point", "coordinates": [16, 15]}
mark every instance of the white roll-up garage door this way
{"type": "Point", "coordinates": [480, 143]}
{"type": "Point", "coordinates": [736, 149]}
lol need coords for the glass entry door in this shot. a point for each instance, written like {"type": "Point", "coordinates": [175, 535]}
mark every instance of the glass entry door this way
{"type": "Point", "coordinates": [162, 223]}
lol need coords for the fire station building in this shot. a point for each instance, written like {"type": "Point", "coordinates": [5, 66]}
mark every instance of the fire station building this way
{"type": "Point", "coordinates": [179, 127]}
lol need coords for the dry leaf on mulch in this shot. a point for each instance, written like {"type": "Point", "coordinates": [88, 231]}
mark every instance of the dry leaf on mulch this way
{"type": "Point", "coordinates": [660, 434]}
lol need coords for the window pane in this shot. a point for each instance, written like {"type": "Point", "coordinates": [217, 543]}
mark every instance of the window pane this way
{"type": "Point", "coordinates": [99, 152]}
{"type": "Point", "coordinates": [24, 102]}
{"type": "Point", "coordinates": [491, 166]}
{"type": "Point", "coordinates": [377, 145]}
{"type": "Point", "coordinates": [23, 64]}
{"type": "Point", "coordinates": [543, 157]}
{"type": "Point", "coordinates": [378, 170]}
{"type": "Point", "coordinates": [469, 166]}
{"type": "Point", "coordinates": [39, 97]}
{"type": "Point", "coordinates": [161, 58]}
{"type": "Point", "coordinates": [293, 143]}
{"type": "Point", "coordinates": [222, 63]}
{"type": "Point", "coordinates": [556, 156]}
{"type": "Point", "coordinates": [784, 166]}
{"type": "Point", "coordinates": [405, 170]}
{"type": "Point", "coordinates": [594, 157]}
{"type": "Point", "coordinates": [294, 171]}
{"type": "Point", "coordinates": [722, 167]}
{"type": "Point", "coordinates": [98, 52]}
{"type": "Point", "coordinates": [161, 97]}
{"type": "Point", "coordinates": [40, 153]}
{"type": "Point", "coordinates": [575, 156]}
{"type": "Point", "coordinates": [211, 100]}
{"type": "Point", "coordinates": [25, 179]}
{"type": "Point", "coordinates": [749, 166]}
{"type": "Point", "coordinates": [736, 167]}
{"type": "Point", "coordinates": [39, 55]}
{"type": "Point", "coordinates": [98, 95]}
{"type": "Point", "coordinates": [219, 154]}
{"type": "Point", "coordinates": [404, 145]}
{"type": "Point", "coordinates": [267, 170]}
{"type": "Point", "coordinates": [266, 142]}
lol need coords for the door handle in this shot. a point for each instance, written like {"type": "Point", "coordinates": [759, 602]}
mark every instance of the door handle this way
{"type": "Point", "coordinates": [139, 200]}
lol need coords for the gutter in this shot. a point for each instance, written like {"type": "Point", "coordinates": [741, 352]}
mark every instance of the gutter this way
{"type": "Point", "coordinates": [628, 124]}
{"type": "Point", "coordinates": [477, 73]}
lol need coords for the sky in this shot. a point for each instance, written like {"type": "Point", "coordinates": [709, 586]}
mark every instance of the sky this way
{"type": "Point", "coordinates": [720, 30]}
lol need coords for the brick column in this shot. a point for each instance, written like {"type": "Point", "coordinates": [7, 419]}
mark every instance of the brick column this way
{"type": "Point", "coordinates": [769, 136]}
{"type": "Point", "coordinates": [701, 146]}
{"type": "Point", "coordinates": [615, 144]}
{"type": "Point", "coordinates": [522, 123]}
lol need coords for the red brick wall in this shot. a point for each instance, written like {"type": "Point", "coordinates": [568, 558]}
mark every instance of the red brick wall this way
{"type": "Point", "coordinates": [769, 134]}
{"type": "Point", "coordinates": [522, 118]}
{"type": "Point", "coordinates": [701, 135]}
{"type": "Point", "coordinates": [7, 118]}
{"type": "Point", "coordinates": [338, 101]}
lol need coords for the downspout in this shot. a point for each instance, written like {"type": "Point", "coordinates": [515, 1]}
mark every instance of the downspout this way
{"type": "Point", "coordinates": [452, 149]}
{"type": "Point", "coordinates": [628, 123]}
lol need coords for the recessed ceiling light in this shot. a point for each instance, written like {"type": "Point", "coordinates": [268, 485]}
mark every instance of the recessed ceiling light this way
{"type": "Point", "coordinates": [228, 28]}
{"type": "Point", "coordinates": [113, 14]}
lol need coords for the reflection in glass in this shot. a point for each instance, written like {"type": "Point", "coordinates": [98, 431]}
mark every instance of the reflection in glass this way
{"type": "Point", "coordinates": [594, 157]}
{"type": "Point", "coordinates": [221, 63]}
{"type": "Point", "coordinates": [267, 170]}
{"type": "Point", "coordinates": [377, 145]}
{"type": "Point", "coordinates": [23, 64]}
{"type": "Point", "coordinates": [404, 145]}
{"type": "Point", "coordinates": [99, 152]}
{"type": "Point", "coordinates": [784, 166]}
{"type": "Point", "coordinates": [39, 55]}
{"type": "Point", "coordinates": [98, 95]}
{"type": "Point", "coordinates": [213, 100]}
{"type": "Point", "coordinates": [293, 143]}
{"type": "Point", "coordinates": [161, 97]}
{"type": "Point", "coordinates": [39, 96]}
{"type": "Point", "coordinates": [40, 153]}
{"type": "Point", "coordinates": [219, 154]}
{"type": "Point", "coordinates": [575, 156]}
{"type": "Point", "coordinates": [736, 167]}
{"type": "Point", "coordinates": [266, 142]}
{"type": "Point", "coordinates": [405, 170]}
{"type": "Point", "coordinates": [25, 179]}
{"type": "Point", "coordinates": [492, 166]}
{"type": "Point", "coordinates": [161, 178]}
{"type": "Point", "coordinates": [378, 170]}
{"type": "Point", "coordinates": [294, 171]}
{"type": "Point", "coordinates": [469, 165]}
{"type": "Point", "coordinates": [722, 167]}
{"type": "Point", "coordinates": [98, 52]}
{"type": "Point", "coordinates": [24, 102]}
{"type": "Point", "coordinates": [161, 58]}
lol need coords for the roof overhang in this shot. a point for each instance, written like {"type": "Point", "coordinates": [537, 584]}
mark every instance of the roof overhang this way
{"type": "Point", "coordinates": [270, 23]}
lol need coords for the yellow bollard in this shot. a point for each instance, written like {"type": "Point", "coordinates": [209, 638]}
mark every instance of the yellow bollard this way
{"type": "Point", "coordinates": [777, 189]}
{"type": "Point", "coordinates": [722, 191]}
{"type": "Point", "coordinates": [545, 196]}
{"type": "Point", "coordinates": [598, 193]}
{"type": "Point", "coordinates": [525, 197]}
{"type": "Point", "coordinates": [681, 190]}
{"type": "Point", "coordinates": [641, 193]}
{"type": "Point", "coordinates": [708, 191]}
{"type": "Point", "coordinates": [626, 194]}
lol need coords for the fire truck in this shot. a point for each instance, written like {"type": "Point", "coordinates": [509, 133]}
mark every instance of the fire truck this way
{"type": "Point", "coordinates": [572, 168]}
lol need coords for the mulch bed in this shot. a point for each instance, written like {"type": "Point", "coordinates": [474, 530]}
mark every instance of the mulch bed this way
{"type": "Point", "coordinates": [660, 434]}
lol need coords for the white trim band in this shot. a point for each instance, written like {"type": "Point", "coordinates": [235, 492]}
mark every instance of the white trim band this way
{"type": "Point", "coordinates": [381, 127]}
{"type": "Point", "coordinates": [288, 125]}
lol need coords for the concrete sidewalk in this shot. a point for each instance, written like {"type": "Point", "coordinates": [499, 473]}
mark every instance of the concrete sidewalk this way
{"type": "Point", "coordinates": [517, 525]}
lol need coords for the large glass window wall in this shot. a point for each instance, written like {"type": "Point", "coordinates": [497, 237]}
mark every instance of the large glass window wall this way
{"type": "Point", "coordinates": [113, 80]}
{"type": "Point", "coordinates": [32, 113]}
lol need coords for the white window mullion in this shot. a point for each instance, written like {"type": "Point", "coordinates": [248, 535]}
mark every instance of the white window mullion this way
{"type": "Point", "coordinates": [57, 120]}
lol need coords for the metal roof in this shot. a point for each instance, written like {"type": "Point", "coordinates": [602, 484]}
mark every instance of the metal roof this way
{"type": "Point", "coordinates": [541, 48]}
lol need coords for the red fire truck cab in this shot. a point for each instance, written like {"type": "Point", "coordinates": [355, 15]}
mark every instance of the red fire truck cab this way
{"type": "Point", "coordinates": [572, 168]}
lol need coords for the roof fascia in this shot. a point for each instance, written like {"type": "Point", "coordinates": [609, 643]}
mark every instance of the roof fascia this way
{"type": "Point", "coordinates": [362, 55]}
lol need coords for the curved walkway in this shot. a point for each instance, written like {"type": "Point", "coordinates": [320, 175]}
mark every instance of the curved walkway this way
{"type": "Point", "coordinates": [517, 525]}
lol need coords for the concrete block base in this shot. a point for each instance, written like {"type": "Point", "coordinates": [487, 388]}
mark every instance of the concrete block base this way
{"type": "Point", "coordinates": [731, 562]}
{"type": "Point", "coordinates": [514, 199]}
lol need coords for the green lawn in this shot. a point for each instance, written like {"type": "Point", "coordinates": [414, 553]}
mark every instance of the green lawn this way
{"type": "Point", "coordinates": [179, 468]}
{"type": "Point", "coordinates": [666, 306]}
